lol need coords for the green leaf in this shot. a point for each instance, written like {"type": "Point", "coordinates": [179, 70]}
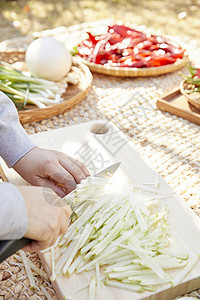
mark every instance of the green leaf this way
{"type": "Point", "coordinates": [74, 50]}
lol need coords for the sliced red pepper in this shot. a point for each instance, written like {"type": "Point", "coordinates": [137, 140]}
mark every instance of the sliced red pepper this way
{"type": "Point", "coordinates": [124, 30]}
{"type": "Point", "coordinates": [134, 64]}
{"type": "Point", "coordinates": [124, 46]}
{"type": "Point", "coordinates": [155, 61]}
{"type": "Point", "coordinates": [92, 38]}
{"type": "Point", "coordinates": [154, 47]}
{"type": "Point", "coordinates": [177, 53]}
{"type": "Point", "coordinates": [113, 58]}
{"type": "Point", "coordinates": [197, 73]}
{"type": "Point", "coordinates": [115, 38]}
{"type": "Point", "coordinates": [144, 45]}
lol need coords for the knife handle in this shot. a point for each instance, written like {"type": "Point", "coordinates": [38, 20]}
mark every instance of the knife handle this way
{"type": "Point", "coordinates": [9, 247]}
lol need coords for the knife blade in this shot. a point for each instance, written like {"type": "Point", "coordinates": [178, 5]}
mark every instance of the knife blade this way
{"type": "Point", "coordinates": [9, 247]}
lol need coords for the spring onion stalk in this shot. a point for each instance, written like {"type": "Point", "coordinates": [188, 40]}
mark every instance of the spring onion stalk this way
{"type": "Point", "coordinates": [192, 262]}
{"type": "Point", "coordinates": [53, 261]}
{"type": "Point", "coordinates": [98, 280]}
{"type": "Point", "coordinates": [47, 295]}
{"type": "Point", "coordinates": [122, 234]}
{"type": "Point", "coordinates": [23, 89]}
{"type": "Point", "coordinates": [38, 271]}
{"type": "Point", "coordinates": [92, 288]}
{"type": "Point", "coordinates": [73, 266]}
{"type": "Point", "coordinates": [28, 269]}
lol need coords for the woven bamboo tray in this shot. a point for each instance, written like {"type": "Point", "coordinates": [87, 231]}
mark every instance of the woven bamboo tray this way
{"type": "Point", "coordinates": [74, 93]}
{"type": "Point", "coordinates": [136, 72]}
{"type": "Point", "coordinates": [193, 98]}
{"type": "Point", "coordinates": [131, 72]}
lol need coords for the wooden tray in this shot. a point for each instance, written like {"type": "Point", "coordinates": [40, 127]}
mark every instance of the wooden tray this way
{"type": "Point", "coordinates": [177, 104]}
{"type": "Point", "coordinates": [112, 146]}
{"type": "Point", "coordinates": [193, 98]}
{"type": "Point", "coordinates": [73, 95]}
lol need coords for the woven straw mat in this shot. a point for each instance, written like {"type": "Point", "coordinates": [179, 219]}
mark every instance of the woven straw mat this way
{"type": "Point", "coordinates": [169, 143]}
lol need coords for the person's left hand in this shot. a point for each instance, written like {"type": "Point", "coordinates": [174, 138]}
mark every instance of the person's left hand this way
{"type": "Point", "coordinates": [52, 169]}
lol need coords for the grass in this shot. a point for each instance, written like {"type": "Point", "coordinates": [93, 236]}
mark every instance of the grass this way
{"type": "Point", "coordinates": [177, 17]}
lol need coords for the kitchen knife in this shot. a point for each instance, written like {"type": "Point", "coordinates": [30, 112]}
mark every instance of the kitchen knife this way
{"type": "Point", "coordinates": [9, 247]}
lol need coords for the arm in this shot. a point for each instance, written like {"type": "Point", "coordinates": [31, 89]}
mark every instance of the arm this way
{"type": "Point", "coordinates": [13, 214]}
{"type": "Point", "coordinates": [14, 141]}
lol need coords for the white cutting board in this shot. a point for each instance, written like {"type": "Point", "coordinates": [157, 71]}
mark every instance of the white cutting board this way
{"type": "Point", "coordinates": [99, 151]}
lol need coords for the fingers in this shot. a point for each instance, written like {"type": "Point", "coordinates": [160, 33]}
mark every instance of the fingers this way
{"type": "Point", "coordinates": [75, 171]}
{"type": "Point", "coordinates": [81, 166]}
{"type": "Point", "coordinates": [63, 179]}
{"type": "Point", "coordinates": [66, 212]}
{"type": "Point", "coordinates": [62, 225]}
{"type": "Point", "coordinates": [58, 189]}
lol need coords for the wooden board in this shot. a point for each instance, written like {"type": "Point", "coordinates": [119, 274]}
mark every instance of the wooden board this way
{"type": "Point", "coordinates": [99, 151]}
{"type": "Point", "coordinates": [177, 104]}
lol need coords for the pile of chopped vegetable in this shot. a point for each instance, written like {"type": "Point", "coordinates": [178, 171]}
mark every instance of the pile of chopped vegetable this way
{"type": "Point", "coordinates": [23, 89]}
{"type": "Point", "coordinates": [125, 232]}
{"type": "Point", "coordinates": [123, 46]}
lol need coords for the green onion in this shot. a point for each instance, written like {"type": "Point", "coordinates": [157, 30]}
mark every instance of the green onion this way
{"type": "Point", "coordinates": [22, 89]}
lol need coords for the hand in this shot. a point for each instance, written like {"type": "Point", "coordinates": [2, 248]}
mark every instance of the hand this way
{"type": "Point", "coordinates": [45, 221]}
{"type": "Point", "coordinates": [52, 169]}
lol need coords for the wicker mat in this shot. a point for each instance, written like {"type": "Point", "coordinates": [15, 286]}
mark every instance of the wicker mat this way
{"type": "Point", "coordinates": [170, 144]}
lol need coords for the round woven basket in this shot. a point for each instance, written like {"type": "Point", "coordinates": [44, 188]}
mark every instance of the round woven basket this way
{"type": "Point", "coordinates": [125, 71]}
{"type": "Point", "coordinates": [136, 72]}
{"type": "Point", "coordinates": [74, 94]}
{"type": "Point", "coordinates": [193, 98]}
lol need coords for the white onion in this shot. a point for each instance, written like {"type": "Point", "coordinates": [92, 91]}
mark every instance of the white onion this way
{"type": "Point", "coordinates": [48, 58]}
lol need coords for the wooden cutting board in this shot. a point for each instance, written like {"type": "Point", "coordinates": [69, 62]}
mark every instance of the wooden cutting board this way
{"type": "Point", "coordinates": [99, 151]}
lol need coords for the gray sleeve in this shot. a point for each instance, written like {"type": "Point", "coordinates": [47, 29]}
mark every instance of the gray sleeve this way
{"type": "Point", "coordinates": [14, 141]}
{"type": "Point", "coordinates": [13, 214]}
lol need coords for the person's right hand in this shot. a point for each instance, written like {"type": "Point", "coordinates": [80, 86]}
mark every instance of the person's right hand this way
{"type": "Point", "coordinates": [45, 221]}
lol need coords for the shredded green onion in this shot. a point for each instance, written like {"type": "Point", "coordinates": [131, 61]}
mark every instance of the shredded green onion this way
{"type": "Point", "coordinates": [122, 233]}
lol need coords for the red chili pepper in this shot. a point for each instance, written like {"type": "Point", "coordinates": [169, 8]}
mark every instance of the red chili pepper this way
{"type": "Point", "coordinates": [115, 38]}
{"type": "Point", "coordinates": [124, 30]}
{"type": "Point", "coordinates": [144, 53]}
{"type": "Point", "coordinates": [128, 51]}
{"type": "Point", "coordinates": [133, 64]}
{"type": "Point", "coordinates": [177, 53]}
{"type": "Point", "coordinates": [124, 46]}
{"type": "Point", "coordinates": [92, 38]}
{"type": "Point", "coordinates": [113, 58]}
{"type": "Point", "coordinates": [154, 47]}
{"type": "Point", "coordinates": [155, 61]}
{"type": "Point", "coordinates": [144, 45]}
{"type": "Point", "coordinates": [152, 38]}
{"type": "Point", "coordinates": [197, 73]}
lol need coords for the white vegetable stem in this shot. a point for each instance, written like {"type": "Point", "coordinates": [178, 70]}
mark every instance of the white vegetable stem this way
{"type": "Point", "coordinates": [126, 232]}
{"type": "Point", "coordinates": [28, 269]}
{"type": "Point", "coordinates": [92, 288]}
{"type": "Point", "coordinates": [45, 293]}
